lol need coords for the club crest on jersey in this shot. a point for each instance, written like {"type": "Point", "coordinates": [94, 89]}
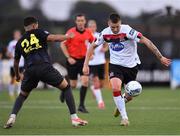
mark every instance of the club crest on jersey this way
{"type": "Point", "coordinates": [116, 46]}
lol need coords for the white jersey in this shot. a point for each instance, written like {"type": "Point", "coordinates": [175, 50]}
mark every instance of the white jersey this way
{"type": "Point", "coordinates": [98, 56]}
{"type": "Point", "coordinates": [11, 50]}
{"type": "Point", "coordinates": [122, 46]}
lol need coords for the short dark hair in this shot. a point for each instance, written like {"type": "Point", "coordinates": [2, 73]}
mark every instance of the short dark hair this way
{"type": "Point", "coordinates": [80, 15]}
{"type": "Point", "coordinates": [30, 20]}
{"type": "Point", "coordinates": [114, 18]}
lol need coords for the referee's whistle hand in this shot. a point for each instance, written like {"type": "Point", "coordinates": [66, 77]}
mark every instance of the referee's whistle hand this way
{"type": "Point", "coordinates": [71, 61]}
{"type": "Point", "coordinates": [86, 70]}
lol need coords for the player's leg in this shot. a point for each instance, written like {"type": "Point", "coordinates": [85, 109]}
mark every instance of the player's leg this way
{"type": "Point", "coordinates": [72, 76]}
{"type": "Point", "coordinates": [65, 87]}
{"type": "Point", "coordinates": [16, 108]}
{"type": "Point", "coordinates": [84, 86]}
{"type": "Point", "coordinates": [28, 83]}
{"type": "Point", "coordinates": [95, 74]}
{"type": "Point", "coordinates": [53, 77]}
{"type": "Point", "coordinates": [116, 84]}
{"type": "Point", "coordinates": [101, 76]}
{"type": "Point", "coordinates": [130, 74]}
{"type": "Point", "coordinates": [127, 98]}
{"type": "Point", "coordinates": [96, 88]}
{"type": "Point", "coordinates": [11, 87]}
{"type": "Point", "coordinates": [116, 80]}
{"type": "Point", "coordinates": [73, 84]}
{"type": "Point", "coordinates": [83, 92]}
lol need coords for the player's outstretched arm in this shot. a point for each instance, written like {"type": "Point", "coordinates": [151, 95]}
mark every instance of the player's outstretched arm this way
{"type": "Point", "coordinates": [88, 56]}
{"type": "Point", "coordinates": [165, 61]}
{"type": "Point", "coordinates": [59, 37]}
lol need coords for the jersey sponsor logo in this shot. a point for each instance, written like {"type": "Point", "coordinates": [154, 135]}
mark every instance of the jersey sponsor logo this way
{"type": "Point", "coordinates": [116, 46]}
{"type": "Point", "coordinates": [132, 32]}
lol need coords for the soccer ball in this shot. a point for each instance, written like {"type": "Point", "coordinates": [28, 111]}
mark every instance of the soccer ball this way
{"type": "Point", "coordinates": [133, 88]}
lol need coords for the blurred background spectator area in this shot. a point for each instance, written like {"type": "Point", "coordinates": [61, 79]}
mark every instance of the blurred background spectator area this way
{"type": "Point", "coordinates": [159, 21]}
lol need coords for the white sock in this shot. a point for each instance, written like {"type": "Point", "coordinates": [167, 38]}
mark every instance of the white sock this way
{"type": "Point", "coordinates": [74, 116]}
{"type": "Point", "coordinates": [13, 116]}
{"type": "Point", "coordinates": [120, 104]}
{"type": "Point", "coordinates": [98, 94]}
{"type": "Point", "coordinates": [11, 89]}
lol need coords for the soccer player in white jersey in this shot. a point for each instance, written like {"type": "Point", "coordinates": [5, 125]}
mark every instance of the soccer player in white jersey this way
{"type": "Point", "coordinates": [14, 86]}
{"type": "Point", "coordinates": [124, 59]}
{"type": "Point", "coordinates": [97, 66]}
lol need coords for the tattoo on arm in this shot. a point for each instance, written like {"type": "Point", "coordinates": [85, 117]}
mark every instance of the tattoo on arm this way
{"type": "Point", "coordinates": [154, 49]}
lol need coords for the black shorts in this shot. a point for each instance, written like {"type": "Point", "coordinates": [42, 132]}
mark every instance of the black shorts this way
{"type": "Point", "coordinates": [97, 70]}
{"type": "Point", "coordinates": [12, 73]}
{"type": "Point", "coordinates": [75, 69]}
{"type": "Point", "coordinates": [43, 72]}
{"type": "Point", "coordinates": [125, 74]}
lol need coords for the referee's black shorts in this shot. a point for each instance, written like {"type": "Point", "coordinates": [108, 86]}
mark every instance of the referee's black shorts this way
{"type": "Point", "coordinates": [44, 72]}
{"type": "Point", "coordinates": [125, 74]}
{"type": "Point", "coordinates": [75, 69]}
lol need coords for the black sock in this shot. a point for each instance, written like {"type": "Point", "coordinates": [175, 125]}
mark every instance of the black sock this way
{"type": "Point", "coordinates": [69, 99]}
{"type": "Point", "coordinates": [18, 104]}
{"type": "Point", "coordinates": [83, 91]}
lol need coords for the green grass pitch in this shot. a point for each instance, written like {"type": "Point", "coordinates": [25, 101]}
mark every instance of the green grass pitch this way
{"type": "Point", "coordinates": [155, 112]}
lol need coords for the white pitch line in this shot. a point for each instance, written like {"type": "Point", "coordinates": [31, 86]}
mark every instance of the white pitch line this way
{"type": "Point", "coordinates": [91, 107]}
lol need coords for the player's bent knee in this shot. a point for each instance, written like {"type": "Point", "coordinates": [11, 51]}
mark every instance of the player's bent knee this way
{"type": "Point", "coordinates": [67, 87]}
{"type": "Point", "coordinates": [63, 84]}
{"type": "Point", "coordinates": [73, 86]}
{"type": "Point", "coordinates": [97, 85]}
{"type": "Point", "coordinates": [116, 90]}
{"type": "Point", "coordinates": [85, 81]}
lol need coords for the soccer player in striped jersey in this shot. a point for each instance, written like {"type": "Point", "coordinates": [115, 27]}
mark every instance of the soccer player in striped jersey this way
{"type": "Point", "coordinates": [124, 60]}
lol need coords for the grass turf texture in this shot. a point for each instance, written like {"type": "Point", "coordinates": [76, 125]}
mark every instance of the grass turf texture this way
{"type": "Point", "coordinates": [155, 111]}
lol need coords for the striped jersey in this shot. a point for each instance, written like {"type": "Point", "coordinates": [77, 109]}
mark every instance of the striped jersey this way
{"type": "Point", "coordinates": [122, 46]}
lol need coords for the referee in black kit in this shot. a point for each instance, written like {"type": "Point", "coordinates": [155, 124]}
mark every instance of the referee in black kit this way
{"type": "Point", "coordinates": [33, 47]}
